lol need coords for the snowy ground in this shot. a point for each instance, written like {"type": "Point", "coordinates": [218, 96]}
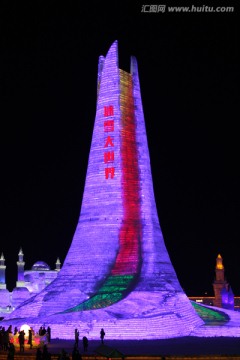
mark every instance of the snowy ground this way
{"type": "Point", "coordinates": [186, 346]}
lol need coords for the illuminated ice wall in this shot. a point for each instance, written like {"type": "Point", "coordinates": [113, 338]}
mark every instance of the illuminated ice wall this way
{"type": "Point", "coordinates": [117, 272]}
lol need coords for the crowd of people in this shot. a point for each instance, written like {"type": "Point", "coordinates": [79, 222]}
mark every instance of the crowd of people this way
{"type": "Point", "coordinates": [9, 338]}
{"type": "Point", "coordinates": [42, 353]}
{"type": "Point", "coordinates": [5, 337]}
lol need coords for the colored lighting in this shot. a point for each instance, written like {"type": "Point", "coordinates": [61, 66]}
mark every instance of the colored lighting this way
{"type": "Point", "coordinates": [211, 316]}
{"type": "Point", "coordinates": [117, 273]}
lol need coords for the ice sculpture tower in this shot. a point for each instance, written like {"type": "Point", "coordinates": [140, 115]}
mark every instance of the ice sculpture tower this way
{"type": "Point", "coordinates": [117, 270]}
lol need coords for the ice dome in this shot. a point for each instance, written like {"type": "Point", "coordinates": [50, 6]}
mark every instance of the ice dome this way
{"type": "Point", "coordinates": [40, 265]}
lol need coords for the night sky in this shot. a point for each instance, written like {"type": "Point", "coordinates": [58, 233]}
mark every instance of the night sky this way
{"type": "Point", "coordinates": [188, 69]}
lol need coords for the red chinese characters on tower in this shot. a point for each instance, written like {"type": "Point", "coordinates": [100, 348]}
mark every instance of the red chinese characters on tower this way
{"type": "Point", "coordinates": [108, 156]}
{"type": "Point", "coordinates": [108, 141]}
{"type": "Point", "coordinates": [109, 172]}
{"type": "Point", "coordinates": [108, 110]}
{"type": "Point", "coordinates": [108, 125]}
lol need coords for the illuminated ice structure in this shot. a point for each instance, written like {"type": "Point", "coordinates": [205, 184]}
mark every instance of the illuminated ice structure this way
{"type": "Point", "coordinates": [117, 273]}
{"type": "Point", "coordinates": [29, 282]}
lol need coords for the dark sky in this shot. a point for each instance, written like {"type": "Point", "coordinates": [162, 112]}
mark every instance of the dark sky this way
{"type": "Point", "coordinates": [188, 69]}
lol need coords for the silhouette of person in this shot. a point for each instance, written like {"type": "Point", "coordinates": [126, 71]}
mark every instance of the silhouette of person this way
{"type": "Point", "coordinates": [102, 334]}
{"type": "Point", "coordinates": [45, 354]}
{"type": "Point", "coordinates": [85, 343]}
{"type": "Point", "coordinates": [21, 340]}
{"type": "Point", "coordinates": [5, 339]}
{"type": "Point", "coordinates": [76, 337]}
{"type": "Point", "coordinates": [39, 354]}
{"type": "Point", "coordinates": [30, 337]}
{"type": "Point", "coordinates": [40, 331]}
{"type": "Point", "coordinates": [76, 354]}
{"type": "Point", "coordinates": [49, 333]}
{"type": "Point", "coordinates": [1, 338]}
{"type": "Point", "coordinates": [11, 352]}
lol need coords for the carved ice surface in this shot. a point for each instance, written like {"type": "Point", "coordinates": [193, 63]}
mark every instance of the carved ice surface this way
{"type": "Point", "coordinates": [117, 273]}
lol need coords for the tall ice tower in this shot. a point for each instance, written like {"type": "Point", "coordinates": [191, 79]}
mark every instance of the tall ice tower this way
{"type": "Point", "coordinates": [117, 273]}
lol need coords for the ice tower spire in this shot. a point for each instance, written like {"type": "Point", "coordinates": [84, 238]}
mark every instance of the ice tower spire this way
{"type": "Point", "coordinates": [117, 269]}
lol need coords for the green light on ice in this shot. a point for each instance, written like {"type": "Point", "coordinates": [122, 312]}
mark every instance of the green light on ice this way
{"type": "Point", "coordinates": [113, 290]}
{"type": "Point", "coordinates": [210, 316]}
